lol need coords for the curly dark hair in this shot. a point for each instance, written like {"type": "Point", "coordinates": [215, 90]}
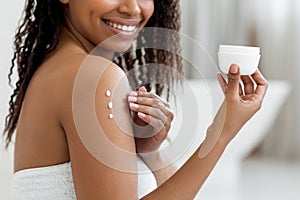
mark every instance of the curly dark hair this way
{"type": "Point", "coordinates": [38, 35]}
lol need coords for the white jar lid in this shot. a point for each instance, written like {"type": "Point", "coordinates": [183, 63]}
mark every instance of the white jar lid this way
{"type": "Point", "coordinates": [239, 49]}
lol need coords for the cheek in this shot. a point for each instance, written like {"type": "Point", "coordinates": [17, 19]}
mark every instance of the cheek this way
{"type": "Point", "coordinates": [147, 7]}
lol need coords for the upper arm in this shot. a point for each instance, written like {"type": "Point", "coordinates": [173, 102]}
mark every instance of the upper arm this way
{"type": "Point", "coordinates": [102, 150]}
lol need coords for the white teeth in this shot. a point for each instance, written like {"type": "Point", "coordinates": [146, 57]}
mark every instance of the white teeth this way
{"type": "Point", "coordinates": [124, 28]}
{"type": "Point", "coordinates": [121, 27]}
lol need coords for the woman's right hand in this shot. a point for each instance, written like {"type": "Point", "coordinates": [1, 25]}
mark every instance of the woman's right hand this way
{"type": "Point", "coordinates": [239, 104]}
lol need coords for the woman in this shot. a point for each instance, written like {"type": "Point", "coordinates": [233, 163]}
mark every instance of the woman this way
{"type": "Point", "coordinates": [52, 157]}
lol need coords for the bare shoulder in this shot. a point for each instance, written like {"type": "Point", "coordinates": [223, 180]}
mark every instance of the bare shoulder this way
{"type": "Point", "coordinates": [58, 74]}
{"type": "Point", "coordinates": [85, 75]}
{"type": "Point", "coordinates": [39, 118]}
{"type": "Point", "coordinates": [95, 93]}
{"type": "Point", "coordinates": [96, 119]}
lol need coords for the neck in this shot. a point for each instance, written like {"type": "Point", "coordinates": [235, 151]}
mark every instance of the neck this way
{"type": "Point", "coordinates": [82, 42]}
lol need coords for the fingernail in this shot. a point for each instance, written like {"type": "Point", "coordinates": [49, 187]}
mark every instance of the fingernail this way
{"type": "Point", "coordinates": [142, 115]}
{"type": "Point", "coordinates": [132, 99]}
{"type": "Point", "coordinates": [234, 69]}
{"type": "Point", "coordinates": [133, 106]}
{"type": "Point", "coordinates": [133, 93]}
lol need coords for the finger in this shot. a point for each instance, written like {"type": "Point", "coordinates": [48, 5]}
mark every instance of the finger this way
{"type": "Point", "coordinates": [152, 103]}
{"type": "Point", "coordinates": [149, 95]}
{"type": "Point", "coordinates": [233, 81]}
{"type": "Point", "coordinates": [248, 85]}
{"type": "Point", "coordinates": [146, 101]}
{"type": "Point", "coordinates": [138, 121]}
{"type": "Point", "coordinates": [155, 112]}
{"type": "Point", "coordinates": [261, 83]}
{"type": "Point", "coordinates": [156, 123]}
{"type": "Point", "coordinates": [153, 95]}
{"type": "Point", "coordinates": [222, 83]}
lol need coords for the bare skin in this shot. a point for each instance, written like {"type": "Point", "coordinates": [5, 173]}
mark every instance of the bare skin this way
{"type": "Point", "coordinates": [60, 142]}
{"type": "Point", "coordinates": [46, 127]}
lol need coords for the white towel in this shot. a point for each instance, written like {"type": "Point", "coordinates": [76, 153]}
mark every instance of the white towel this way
{"type": "Point", "coordinates": [56, 183]}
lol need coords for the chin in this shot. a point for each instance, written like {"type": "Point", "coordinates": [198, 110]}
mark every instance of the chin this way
{"type": "Point", "coordinates": [115, 44]}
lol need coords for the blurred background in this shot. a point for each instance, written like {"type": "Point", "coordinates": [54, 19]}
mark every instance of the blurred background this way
{"type": "Point", "coordinates": [270, 168]}
{"type": "Point", "coordinates": [264, 161]}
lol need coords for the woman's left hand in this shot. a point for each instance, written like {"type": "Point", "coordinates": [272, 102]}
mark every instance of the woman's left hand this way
{"type": "Point", "coordinates": [152, 119]}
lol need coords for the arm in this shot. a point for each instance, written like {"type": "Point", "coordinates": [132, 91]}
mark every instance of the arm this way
{"type": "Point", "coordinates": [93, 179]}
{"type": "Point", "coordinates": [161, 175]}
{"type": "Point", "coordinates": [187, 181]}
{"type": "Point", "coordinates": [93, 161]}
{"type": "Point", "coordinates": [238, 107]}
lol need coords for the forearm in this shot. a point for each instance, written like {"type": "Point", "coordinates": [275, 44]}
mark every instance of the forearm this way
{"type": "Point", "coordinates": [161, 174]}
{"type": "Point", "coordinates": [236, 110]}
{"type": "Point", "coordinates": [187, 181]}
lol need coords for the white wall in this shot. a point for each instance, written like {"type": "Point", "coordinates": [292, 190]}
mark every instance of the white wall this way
{"type": "Point", "coordinates": [272, 25]}
{"type": "Point", "coordinates": [10, 12]}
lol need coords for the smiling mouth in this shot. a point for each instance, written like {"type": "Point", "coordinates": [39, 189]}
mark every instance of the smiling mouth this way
{"type": "Point", "coordinates": [121, 27]}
